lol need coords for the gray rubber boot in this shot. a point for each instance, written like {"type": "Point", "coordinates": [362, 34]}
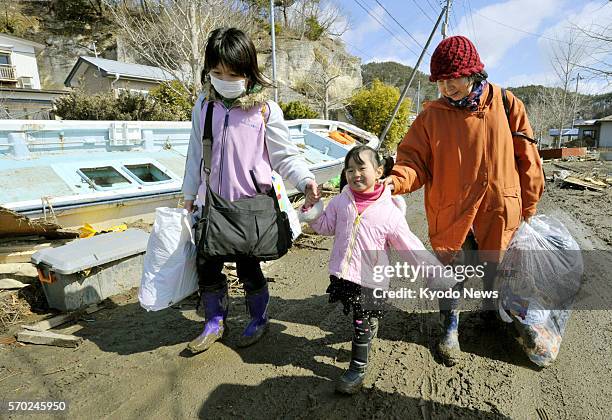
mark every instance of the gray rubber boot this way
{"type": "Point", "coordinates": [448, 347]}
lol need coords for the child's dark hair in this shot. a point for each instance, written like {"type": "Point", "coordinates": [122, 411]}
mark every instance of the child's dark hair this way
{"type": "Point", "coordinates": [232, 48]}
{"type": "Point", "coordinates": [376, 159]}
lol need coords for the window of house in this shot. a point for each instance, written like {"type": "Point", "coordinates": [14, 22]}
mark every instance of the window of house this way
{"type": "Point", "coordinates": [5, 58]}
{"type": "Point", "coordinates": [588, 133]}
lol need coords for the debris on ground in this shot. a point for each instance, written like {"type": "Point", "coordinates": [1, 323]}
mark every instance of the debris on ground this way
{"type": "Point", "coordinates": [49, 338]}
{"type": "Point", "coordinates": [14, 224]}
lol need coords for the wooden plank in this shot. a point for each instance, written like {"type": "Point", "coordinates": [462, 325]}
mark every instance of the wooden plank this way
{"type": "Point", "coordinates": [47, 324]}
{"type": "Point", "coordinates": [48, 338]}
{"type": "Point", "coordinates": [10, 284]}
{"type": "Point", "coordinates": [580, 183]}
{"type": "Point", "coordinates": [567, 168]}
{"type": "Point", "coordinates": [19, 270]}
{"type": "Point", "coordinates": [596, 182]}
{"type": "Point", "coordinates": [21, 253]}
{"type": "Point", "coordinates": [16, 257]}
{"type": "Point", "coordinates": [10, 248]}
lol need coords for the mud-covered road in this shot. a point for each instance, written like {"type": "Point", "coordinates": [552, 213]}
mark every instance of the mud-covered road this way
{"type": "Point", "coordinates": [132, 363]}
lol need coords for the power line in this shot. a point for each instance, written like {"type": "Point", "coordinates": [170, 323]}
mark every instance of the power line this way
{"type": "Point", "coordinates": [423, 11]}
{"type": "Point", "coordinates": [521, 30]}
{"type": "Point", "coordinates": [455, 25]}
{"type": "Point", "coordinates": [471, 17]}
{"type": "Point", "coordinates": [365, 54]}
{"type": "Point", "coordinates": [386, 28]}
{"type": "Point", "coordinates": [432, 8]}
{"type": "Point", "coordinates": [399, 24]}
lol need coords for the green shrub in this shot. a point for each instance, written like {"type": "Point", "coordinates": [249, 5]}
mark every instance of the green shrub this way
{"type": "Point", "coordinates": [372, 107]}
{"type": "Point", "coordinates": [314, 30]}
{"type": "Point", "coordinates": [297, 110]}
{"type": "Point", "coordinates": [175, 100]}
{"type": "Point", "coordinates": [161, 106]}
{"type": "Point", "coordinates": [78, 10]}
{"type": "Point", "coordinates": [12, 21]}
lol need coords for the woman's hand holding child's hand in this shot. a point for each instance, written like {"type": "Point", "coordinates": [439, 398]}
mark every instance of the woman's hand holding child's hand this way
{"type": "Point", "coordinates": [312, 194]}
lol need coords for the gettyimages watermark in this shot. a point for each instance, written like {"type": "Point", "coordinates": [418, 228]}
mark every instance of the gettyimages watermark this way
{"type": "Point", "coordinates": [524, 280]}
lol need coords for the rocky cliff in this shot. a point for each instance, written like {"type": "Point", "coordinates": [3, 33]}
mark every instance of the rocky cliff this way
{"type": "Point", "coordinates": [301, 64]}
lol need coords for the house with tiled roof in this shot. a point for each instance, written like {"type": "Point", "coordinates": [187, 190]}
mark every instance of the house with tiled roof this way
{"type": "Point", "coordinates": [100, 75]}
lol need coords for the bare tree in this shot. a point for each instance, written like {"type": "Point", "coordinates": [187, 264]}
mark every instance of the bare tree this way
{"type": "Point", "coordinates": [317, 18]}
{"type": "Point", "coordinates": [321, 84]}
{"type": "Point", "coordinates": [566, 52]}
{"type": "Point", "coordinates": [172, 34]}
{"type": "Point", "coordinates": [543, 111]}
{"type": "Point", "coordinates": [599, 37]}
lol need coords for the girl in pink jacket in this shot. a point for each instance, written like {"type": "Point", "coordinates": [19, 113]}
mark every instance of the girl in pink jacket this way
{"type": "Point", "coordinates": [365, 220]}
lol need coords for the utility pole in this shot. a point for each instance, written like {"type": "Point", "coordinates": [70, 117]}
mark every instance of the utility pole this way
{"type": "Point", "coordinates": [445, 24]}
{"type": "Point", "coordinates": [273, 35]}
{"type": "Point", "coordinates": [412, 74]}
{"type": "Point", "coordinates": [575, 99]}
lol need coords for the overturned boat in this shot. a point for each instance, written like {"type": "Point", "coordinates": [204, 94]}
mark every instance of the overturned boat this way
{"type": "Point", "coordinates": [77, 172]}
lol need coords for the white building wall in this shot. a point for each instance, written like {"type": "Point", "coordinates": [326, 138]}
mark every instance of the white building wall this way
{"type": "Point", "coordinates": [23, 57]}
{"type": "Point", "coordinates": [605, 134]}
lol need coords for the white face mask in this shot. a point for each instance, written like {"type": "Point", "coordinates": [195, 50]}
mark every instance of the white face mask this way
{"type": "Point", "coordinates": [230, 90]}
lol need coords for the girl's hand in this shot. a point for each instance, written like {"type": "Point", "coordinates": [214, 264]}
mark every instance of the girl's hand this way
{"type": "Point", "coordinates": [188, 205]}
{"type": "Point", "coordinates": [311, 193]}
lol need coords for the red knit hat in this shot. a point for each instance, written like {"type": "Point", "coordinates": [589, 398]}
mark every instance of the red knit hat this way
{"type": "Point", "coordinates": [454, 57]}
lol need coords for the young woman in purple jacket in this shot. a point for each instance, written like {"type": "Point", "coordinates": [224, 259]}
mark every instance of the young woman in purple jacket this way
{"type": "Point", "coordinates": [249, 134]}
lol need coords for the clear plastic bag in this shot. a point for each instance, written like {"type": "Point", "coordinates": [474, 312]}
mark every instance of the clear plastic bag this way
{"type": "Point", "coordinates": [538, 280]}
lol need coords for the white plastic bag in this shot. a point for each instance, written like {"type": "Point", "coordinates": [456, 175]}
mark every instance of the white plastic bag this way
{"type": "Point", "coordinates": [170, 271]}
{"type": "Point", "coordinates": [539, 277]}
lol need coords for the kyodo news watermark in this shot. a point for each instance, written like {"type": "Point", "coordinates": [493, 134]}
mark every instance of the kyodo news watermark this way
{"type": "Point", "coordinates": [543, 280]}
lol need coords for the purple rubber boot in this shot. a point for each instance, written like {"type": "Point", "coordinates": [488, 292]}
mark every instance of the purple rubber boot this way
{"type": "Point", "coordinates": [216, 305]}
{"type": "Point", "coordinates": [257, 304]}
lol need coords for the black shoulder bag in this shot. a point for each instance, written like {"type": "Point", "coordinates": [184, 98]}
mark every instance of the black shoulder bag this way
{"type": "Point", "coordinates": [253, 227]}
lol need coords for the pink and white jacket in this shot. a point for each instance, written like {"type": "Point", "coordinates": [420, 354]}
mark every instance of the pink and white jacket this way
{"type": "Point", "coordinates": [361, 240]}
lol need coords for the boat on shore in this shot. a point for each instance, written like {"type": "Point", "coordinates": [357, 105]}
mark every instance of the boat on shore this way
{"type": "Point", "coordinates": [104, 172]}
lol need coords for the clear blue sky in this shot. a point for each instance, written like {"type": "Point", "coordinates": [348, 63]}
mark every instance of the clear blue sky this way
{"type": "Point", "coordinates": [513, 37]}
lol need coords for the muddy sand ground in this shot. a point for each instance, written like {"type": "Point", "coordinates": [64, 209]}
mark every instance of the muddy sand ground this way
{"type": "Point", "coordinates": [133, 364]}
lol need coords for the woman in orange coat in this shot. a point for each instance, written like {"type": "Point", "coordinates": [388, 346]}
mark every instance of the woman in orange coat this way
{"type": "Point", "coordinates": [480, 168]}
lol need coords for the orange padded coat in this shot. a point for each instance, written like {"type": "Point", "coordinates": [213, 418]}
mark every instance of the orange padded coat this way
{"type": "Point", "coordinates": [475, 172]}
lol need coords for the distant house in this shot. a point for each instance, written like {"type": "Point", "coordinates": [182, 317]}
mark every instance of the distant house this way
{"type": "Point", "coordinates": [99, 75]}
{"type": "Point", "coordinates": [597, 133]}
{"type": "Point", "coordinates": [21, 96]}
{"type": "Point", "coordinates": [588, 131]}
{"type": "Point", "coordinates": [605, 132]}
{"type": "Point", "coordinates": [567, 134]}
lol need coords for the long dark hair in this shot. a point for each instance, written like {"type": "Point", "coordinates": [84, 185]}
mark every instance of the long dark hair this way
{"type": "Point", "coordinates": [233, 49]}
{"type": "Point", "coordinates": [376, 159]}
